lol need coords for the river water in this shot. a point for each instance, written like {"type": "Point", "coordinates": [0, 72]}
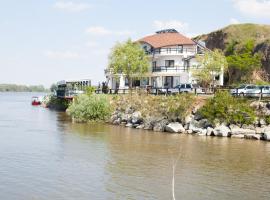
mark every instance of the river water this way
{"type": "Point", "coordinates": [44, 156]}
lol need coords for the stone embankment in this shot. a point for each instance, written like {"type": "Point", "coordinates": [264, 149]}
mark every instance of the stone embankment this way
{"type": "Point", "coordinates": [194, 124]}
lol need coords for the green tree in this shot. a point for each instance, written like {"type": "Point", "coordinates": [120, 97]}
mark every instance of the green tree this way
{"type": "Point", "coordinates": [241, 64]}
{"type": "Point", "coordinates": [53, 87]}
{"type": "Point", "coordinates": [129, 59]}
{"type": "Point", "coordinates": [211, 64]}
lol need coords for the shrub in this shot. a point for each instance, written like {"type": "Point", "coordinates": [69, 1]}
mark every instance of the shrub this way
{"type": "Point", "coordinates": [55, 103]}
{"type": "Point", "coordinates": [90, 108]}
{"type": "Point", "coordinates": [225, 108]}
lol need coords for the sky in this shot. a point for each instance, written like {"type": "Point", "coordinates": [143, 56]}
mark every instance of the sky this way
{"type": "Point", "coordinates": [44, 41]}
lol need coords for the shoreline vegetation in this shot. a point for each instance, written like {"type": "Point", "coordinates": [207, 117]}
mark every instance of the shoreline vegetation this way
{"type": "Point", "coordinates": [221, 115]}
{"type": "Point", "coordinates": [22, 88]}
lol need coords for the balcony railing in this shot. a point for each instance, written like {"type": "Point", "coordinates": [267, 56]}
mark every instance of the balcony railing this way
{"type": "Point", "coordinates": [169, 69]}
{"type": "Point", "coordinates": [172, 51]}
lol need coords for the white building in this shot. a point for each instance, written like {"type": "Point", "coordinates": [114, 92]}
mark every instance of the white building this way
{"type": "Point", "coordinates": [171, 61]}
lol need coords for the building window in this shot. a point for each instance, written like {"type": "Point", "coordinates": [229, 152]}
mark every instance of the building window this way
{"type": "Point", "coordinates": [180, 49]}
{"type": "Point", "coordinates": [169, 63]}
{"type": "Point", "coordinates": [154, 64]}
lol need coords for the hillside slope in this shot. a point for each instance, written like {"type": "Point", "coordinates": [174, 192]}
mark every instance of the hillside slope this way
{"type": "Point", "coordinates": [241, 33]}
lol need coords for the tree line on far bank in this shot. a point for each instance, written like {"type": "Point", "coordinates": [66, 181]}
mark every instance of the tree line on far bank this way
{"type": "Point", "coordinates": [22, 88]}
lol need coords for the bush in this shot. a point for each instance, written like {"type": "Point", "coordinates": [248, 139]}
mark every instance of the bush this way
{"type": "Point", "coordinates": [90, 108]}
{"type": "Point", "coordinates": [225, 108]}
{"type": "Point", "coordinates": [55, 103]}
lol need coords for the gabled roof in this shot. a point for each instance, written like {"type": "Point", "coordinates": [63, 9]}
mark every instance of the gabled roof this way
{"type": "Point", "coordinates": [165, 39]}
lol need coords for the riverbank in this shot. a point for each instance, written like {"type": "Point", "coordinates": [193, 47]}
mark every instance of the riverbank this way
{"type": "Point", "coordinates": [130, 112]}
{"type": "Point", "coordinates": [221, 115]}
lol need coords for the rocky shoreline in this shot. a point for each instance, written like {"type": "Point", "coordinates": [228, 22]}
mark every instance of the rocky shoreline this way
{"type": "Point", "coordinates": [195, 124]}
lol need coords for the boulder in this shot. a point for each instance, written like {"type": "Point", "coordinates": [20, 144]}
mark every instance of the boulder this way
{"type": "Point", "coordinates": [259, 130]}
{"type": "Point", "coordinates": [117, 121]}
{"type": "Point", "coordinates": [262, 122]}
{"type": "Point", "coordinates": [203, 123]}
{"type": "Point", "coordinates": [159, 126]}
{"type": "Point", "coordinates": [203, 132]}
{"type": "Point", "coordinates": [253, 136]}
{"type": "Point", "coordinates": [114, 117]}
{"type": "Point", "coordinates": [174, 128]}
{"type": "Point", "coordinates": [222, 131]}
{"type": "Point", "coordinates": [195, 126]}
{"type": "Point", "coordinates": [136, 117]}
{"type": "Point", "coordinates": [235, 130]}
{"type": "Point", "coordinates": [126, 118]}
{"type": "Point", "coordinates": [266, 136]}
{"type": "Point", "coordinates": [266, 133]}
{"type": "Point", "coordinates": [129, 125]}
{"type": "Point", "coordinates": [210, 131]}
{"type": "Point", "coordinates": [189, 131]}
{"type": "Point", "coordinates": [251, 127]}
{"type": "Point", "coordinates": [239, 136]}
{"type": "Point", "coordinates": [140, 126]}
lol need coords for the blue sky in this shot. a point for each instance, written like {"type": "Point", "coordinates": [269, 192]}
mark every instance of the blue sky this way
{"type": "Point", "coordinates": [43, 41]}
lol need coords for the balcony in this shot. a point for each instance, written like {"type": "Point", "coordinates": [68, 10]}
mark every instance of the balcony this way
{"type": "Point", "coordinates": [169, 69]}
{"type": "Point", "coordinates": [172, 51]}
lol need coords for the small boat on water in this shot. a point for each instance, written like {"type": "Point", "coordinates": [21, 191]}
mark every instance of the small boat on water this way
{"type": "Point", "coordinates": [36, 101]}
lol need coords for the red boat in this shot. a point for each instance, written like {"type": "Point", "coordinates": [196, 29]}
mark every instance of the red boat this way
{"type": "Point", "coordinates": [35, 101]}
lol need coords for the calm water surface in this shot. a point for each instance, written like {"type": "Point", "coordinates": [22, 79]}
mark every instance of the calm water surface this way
{"type": "Point", "coordinates": [44, 156]}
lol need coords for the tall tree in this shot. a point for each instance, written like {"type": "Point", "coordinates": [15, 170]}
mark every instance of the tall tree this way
{"type": "Point", "coordinates": [211, 64]}
{"type": "Point", "coordinates": [129, 59]}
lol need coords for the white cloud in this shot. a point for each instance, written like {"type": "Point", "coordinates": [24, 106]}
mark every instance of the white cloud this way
{"type": "Point", "coordinates": [254, 8]}
{"type": "Point", "coordinates": [178, 25]}
{"type": "Point", "coordinates": [234, 21]}
{"type": "Point", "coordinates": [101, 31]}
{"type": "Point", "coordinates": [70, 6]}
{"type": "Point", "coordinates": [62, 55]}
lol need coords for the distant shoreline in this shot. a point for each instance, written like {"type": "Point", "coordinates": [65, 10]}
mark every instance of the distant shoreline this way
{"type": "Point", "coordinates": [22, 88]}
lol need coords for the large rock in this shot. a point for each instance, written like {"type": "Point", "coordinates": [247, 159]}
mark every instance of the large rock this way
{"type": "Point", "coordinates": [203, 123]}
{"type": "Point", "coordinates": [203, 132]}
{"type": "Point", "coordinates": [140, 126]}
{"type": "Point", "coordinates": [239, 136]}
{"type": "Point", "coordinates": [266, 136]}
{"type": "Point", "coordinates": [251, 127]}
{"type": "Point", "coordinates": [222, 131]}
{"type": "Point", "coordinates": [253, 136]}
{"type": "Point", "coordinates": [126, 118]}
{"type": "Point", "coordinates": [235, 130]}
{"type": "Point", "coordinates": [195, 126]}
{"type": "Point", "coordinates": [266, 133]}
{"type": "Point", "coordinates": [136, 118]}
{"type": "Point", "coordinates": [117, 121]}
{"type": "Point", "coordinates": [130, 125]}
{"type": "Point", "coordinates": [159, 125]}
{"type": "Point", "coordinates": [210, 131]}
{"type": "Point", "coordinates": [262, 122]}
{"type": "Point", "coordinates": [174, 128]}
{"type": "Point", "coordinates": [259, 130]}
